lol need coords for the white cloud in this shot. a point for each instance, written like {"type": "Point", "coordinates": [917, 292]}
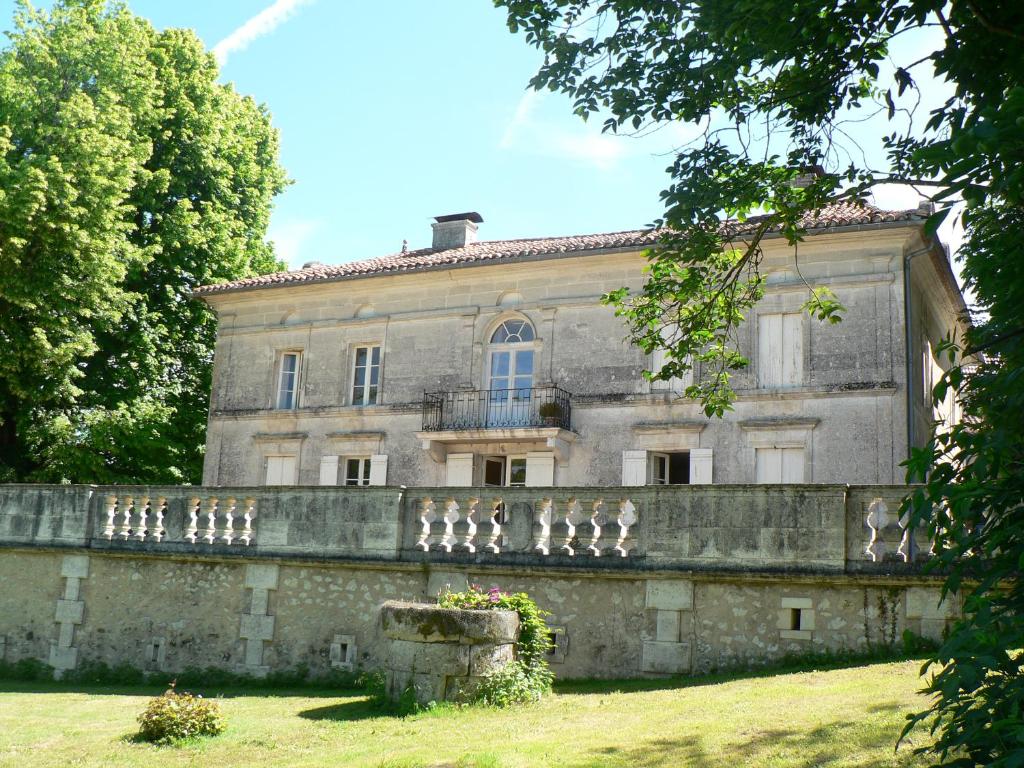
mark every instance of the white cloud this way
{"type": "Point", "coordinates": [583, 143]}
{"type": "Point", "coordinates": [289, 238]}
{"type": "Point", "coordinates": [520, 118]}
{"type": "Point", "coordinates": [263, 23]}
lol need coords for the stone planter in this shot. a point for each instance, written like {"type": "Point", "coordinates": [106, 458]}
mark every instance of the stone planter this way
{"type": "Point", "coordinates": [443, 653]}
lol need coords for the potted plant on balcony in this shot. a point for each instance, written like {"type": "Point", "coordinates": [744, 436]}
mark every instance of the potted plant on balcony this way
{"type": "Point", "coordinates": [551, 413]}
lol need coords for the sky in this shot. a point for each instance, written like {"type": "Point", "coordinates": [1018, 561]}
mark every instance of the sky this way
{"type": "Point", "coordinates": [392, 113]}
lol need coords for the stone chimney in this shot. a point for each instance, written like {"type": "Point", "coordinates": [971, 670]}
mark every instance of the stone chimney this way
{"type": "Point", "coordinates": [808, 175]}
{"type": "Point", "coordinates": [455, 230]}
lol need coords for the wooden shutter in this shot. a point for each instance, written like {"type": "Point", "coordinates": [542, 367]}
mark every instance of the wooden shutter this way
{"type": "Point", "coordinates": [700, 466]}
{"type": "Point", "coordinates": [379, 469]}
{"type": "Point", "coordinates": [540, 469]}
{"type": "Point", "coordinates": [460, 470]}
{"type": "Point", "coordinates": [634, 467]}
{"type": "Point", "coordinates": [328, 470]}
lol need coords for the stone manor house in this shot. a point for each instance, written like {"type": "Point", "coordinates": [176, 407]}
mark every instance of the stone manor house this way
{"type": "Point", "coordinates": [471, 413]}
{"type": "Point", "coordinates": [474, 363]}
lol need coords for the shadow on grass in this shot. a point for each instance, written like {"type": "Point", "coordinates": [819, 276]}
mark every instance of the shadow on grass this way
{"type": "Point", "coordinates": [348, 711]}
{"type": "Point", "coordinates": [808, 749]}
{"type": "Point", "coordinates": [785, 667]}
{"type": "Point", "coordinates": [208, 691]}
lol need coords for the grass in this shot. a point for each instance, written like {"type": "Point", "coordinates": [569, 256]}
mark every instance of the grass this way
{"type": "Point", "coordinates": [840, 717]}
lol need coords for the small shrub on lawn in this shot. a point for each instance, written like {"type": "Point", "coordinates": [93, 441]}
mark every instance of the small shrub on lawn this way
{"type": "Point", "coordinates": [528, 677]}
{"type": "Point", "coordinates": [175, 716]}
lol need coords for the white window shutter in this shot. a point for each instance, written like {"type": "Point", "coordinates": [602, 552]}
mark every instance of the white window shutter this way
{"type": "Point", "coordinates": [634, 467]}
{"type": "Point", "coordinates": [540, 469]}
{"type": "Point", "coordinates": [282, 470]}
{"type": "Point", "coordinates": [768, 465]}
{"type": "Point", "coordinates": [700, 466]}
{"type": "Point", "coordinates": [793, 350]}
{"type": "Point", "coordinates": [769, 350]}
{"type": "Point", "coordinates": [379, 470]}
{"type": "Point", "coordinates": [792, 465]}
{"type": "Point", "coordinates": [460, 470]}
{"type": "Point", "coordinates": [328, 470]}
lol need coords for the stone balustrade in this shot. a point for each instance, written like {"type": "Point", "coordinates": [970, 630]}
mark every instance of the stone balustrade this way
{"type": "Point", "coordinates": [573, 526]}
{"type": "Point", "coordinates": [196, 519]}
{"type": "Point", "coordinates": [811, 528]}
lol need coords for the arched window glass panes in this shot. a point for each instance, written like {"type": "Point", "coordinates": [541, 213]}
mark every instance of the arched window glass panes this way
{"type": "Point", "coordinates": [513, 332]}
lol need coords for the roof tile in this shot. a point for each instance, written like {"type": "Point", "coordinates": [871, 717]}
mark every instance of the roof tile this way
{"type": "Point", "coordinates": [844, 214]}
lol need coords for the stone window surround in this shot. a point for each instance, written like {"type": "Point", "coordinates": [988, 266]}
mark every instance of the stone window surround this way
{"type": "Point", "coordinates": [276, 444]}
{"type": "Point", "coordinates": [795, 432]}
{"type": "Point", "coordinates": [339, 446]}
{"type": "Point", "coordinates": [352, 346]}
{"type": "Point", "coordinates": [275, 389]}
{"type": "Point", "coordinates": [484, 324]}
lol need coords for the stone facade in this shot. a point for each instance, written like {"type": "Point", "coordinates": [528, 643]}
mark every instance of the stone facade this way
{"type": "Point", "coordinates": [820, 403]}
{"type": "Point", "coordinates": [659, 581]}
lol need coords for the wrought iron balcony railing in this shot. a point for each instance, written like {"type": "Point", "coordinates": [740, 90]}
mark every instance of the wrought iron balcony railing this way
{"type": "Point", "coordinates": [497, 408]}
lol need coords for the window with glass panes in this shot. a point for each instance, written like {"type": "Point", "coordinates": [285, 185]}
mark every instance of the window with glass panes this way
{"type": "Point", "coordinates": [366, 375]}
{"type": "Point", "coordinates": [288, 380]}
{"type": "Point", "coordinates": [357, 471]}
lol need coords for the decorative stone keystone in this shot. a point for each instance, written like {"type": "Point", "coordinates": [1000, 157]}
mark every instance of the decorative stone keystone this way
{"type": "Point", "coordinates": [443, 654]}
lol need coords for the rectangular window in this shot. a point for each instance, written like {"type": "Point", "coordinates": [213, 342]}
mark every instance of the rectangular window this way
{"type": "Point", "coordinates": [357, 471]}
{"type": "Point", "coordinates": [780, 350]}
{"type": "Point", "coordinates": [780, 465]}
{"type": "Point", "coordinates": [508, 471]}
{"type": "Point", "coordinates": [668, 468]}
{"type": "Point", "coordinates": [281, 470]}
{"type": "Point", "coordinates": [288, 380]}
{"type": "Point", "coordinates": [366, 375]}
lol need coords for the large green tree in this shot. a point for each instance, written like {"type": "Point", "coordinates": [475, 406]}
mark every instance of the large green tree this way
{"type": "Point", "coordinates": [128, 175]}
{"type": "Point", "coordinates": [778, 87]}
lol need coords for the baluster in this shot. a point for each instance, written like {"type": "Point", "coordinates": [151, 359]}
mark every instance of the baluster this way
{"type": "Point", "coordinates": [192, 527]}
{"type": "Point", "coordinates": [598, 519]}
{"type": "Point", "coordinates": [573, 517]}
{"type": "Point", "coordinates": [209, 518]}
{"type": "Point", "coordinates": [468, 543]}
{"type": "Point", "coordinates": [228, 535]}
{"type": "Point", "coordinates": [127, 507]}
{"type": "Point", "coordinates": [450, 517]}
{"type": "Point", "coordinates": [143, 519]}
{"type": "Point", "coordinates": [111, 511]}
{"type": "Point", "coordinates": [158, 519]}
{"type": "Point", "coordinates": [428, 513]}
{"type": "Point", "coordinates": [877, 519]}
{"type": "Point", "coordinates": [496, 518]}
{"type": "Point", "coordinates": [906, 547]}
{"type": "Point", "coordinates": [627, 518]}
{"type": "Point", "coordinates": [248, 534]}
{"type": "Point", "coordinates": [545, 516]}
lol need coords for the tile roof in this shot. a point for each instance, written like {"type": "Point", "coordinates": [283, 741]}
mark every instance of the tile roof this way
{"type": "Point", "coordinates": [846, 214]}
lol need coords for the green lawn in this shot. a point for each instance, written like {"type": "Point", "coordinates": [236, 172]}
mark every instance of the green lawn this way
{"type": "Point", "coordinates": [843, 717]}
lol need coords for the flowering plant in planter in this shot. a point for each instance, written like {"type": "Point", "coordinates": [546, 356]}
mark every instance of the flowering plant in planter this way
{"type": "Point", "coordinates": [528, 677]}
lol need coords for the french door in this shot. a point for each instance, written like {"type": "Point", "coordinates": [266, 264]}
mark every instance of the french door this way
{"type": "Point", "coordinates": [510, 386]}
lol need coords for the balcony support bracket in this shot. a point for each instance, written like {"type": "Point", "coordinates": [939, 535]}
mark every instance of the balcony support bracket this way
{"type": "Point", "coordinates": [438, 451]}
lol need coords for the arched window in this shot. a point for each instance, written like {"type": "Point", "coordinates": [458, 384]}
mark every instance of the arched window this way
{"type": "Point", "coordinates": [512, 332]}
{"type": "Point", "coordinates": [510, 364]}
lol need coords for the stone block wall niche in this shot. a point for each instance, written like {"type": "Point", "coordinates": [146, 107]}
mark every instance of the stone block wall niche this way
{"type": "Point", "coordinates": [669, 607]}
{"type": "Point", "coordinates": [796, 618]}
{"type": "Point", "coordinates": [257, 626]}
{"type": "Point", "coordinates": [70, 612]}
